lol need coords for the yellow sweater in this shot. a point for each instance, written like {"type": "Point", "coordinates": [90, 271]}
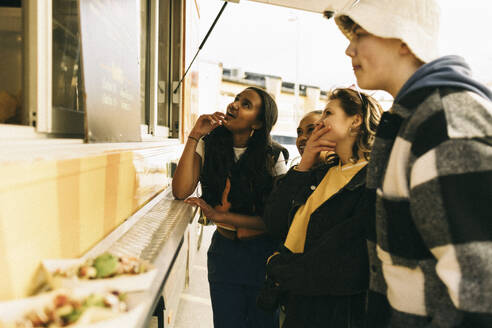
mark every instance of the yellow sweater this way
{"type": "Point", "coordinates": [335, 179]}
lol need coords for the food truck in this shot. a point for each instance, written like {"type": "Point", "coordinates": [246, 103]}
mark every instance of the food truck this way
{"type": "Point", "coordinates": [92, 123]}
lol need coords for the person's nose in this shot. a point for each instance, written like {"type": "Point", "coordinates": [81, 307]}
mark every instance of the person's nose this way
{"type": "Point", "coordinates": [350, 51]}
{"type": "Point", "coordinates": [324, 123]}
{"type": "Point", "coordinates": [233, 106]}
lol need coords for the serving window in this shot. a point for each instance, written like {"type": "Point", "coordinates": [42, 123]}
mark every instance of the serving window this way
{"type": "Point", "coordinates": [67, 85]}
{"type": "Point", "coordinates": [12, 110]}
{"type": "Point", "coordinates": [42, 66]}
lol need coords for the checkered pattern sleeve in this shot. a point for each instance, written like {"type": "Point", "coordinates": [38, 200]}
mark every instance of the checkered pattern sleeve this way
{"type": "Point", "coordinates": [450, 198]}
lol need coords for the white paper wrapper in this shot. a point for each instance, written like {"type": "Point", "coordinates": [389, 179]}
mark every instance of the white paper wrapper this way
{"type": "Point", "coordinates": [12, 311]}
{"type": "Point", "coordinates": [123, 283]}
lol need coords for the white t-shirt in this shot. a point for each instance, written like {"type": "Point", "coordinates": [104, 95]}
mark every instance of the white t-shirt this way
{"type": "Point", "coordinates": [280, 167]}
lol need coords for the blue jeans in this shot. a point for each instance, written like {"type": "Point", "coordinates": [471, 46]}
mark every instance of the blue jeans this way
{"type": "Point", "coordinates": [236, 271]}
{"type": "Point", "coordinates": [234, 306]}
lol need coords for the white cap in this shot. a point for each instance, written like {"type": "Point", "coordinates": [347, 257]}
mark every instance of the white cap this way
{"type": "Point", "coordinates": [415, 22]}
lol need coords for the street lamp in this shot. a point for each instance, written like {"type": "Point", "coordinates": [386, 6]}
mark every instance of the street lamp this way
{"type": "Point", "coordinates": [297, 105]}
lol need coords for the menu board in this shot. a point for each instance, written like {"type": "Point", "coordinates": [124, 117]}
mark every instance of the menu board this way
{"type": "Point", "coordinates": [110, 40]}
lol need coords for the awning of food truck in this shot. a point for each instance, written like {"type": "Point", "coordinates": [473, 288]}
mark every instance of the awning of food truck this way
{"type": "Point", "coordinates": [308, 5]}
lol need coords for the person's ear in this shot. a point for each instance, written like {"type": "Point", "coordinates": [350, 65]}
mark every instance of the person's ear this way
{"type": "Point", "coordinates": [257, 125]}
{"type": "Point", "coordinates": [357, 121]}
{"type": "Point", "coordinates": [404, 49]}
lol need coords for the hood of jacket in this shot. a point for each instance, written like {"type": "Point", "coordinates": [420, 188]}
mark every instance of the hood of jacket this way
{"type": "Point", "coordinates": [447, 71]}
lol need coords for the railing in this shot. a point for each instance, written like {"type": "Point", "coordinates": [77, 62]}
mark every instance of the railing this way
{"type": "Point", "coordinates": [155, 234]}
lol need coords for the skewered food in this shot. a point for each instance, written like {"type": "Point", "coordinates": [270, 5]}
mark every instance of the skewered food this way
{"type": "Point", "coordinates": [105, 265]}
{"type": "Point", "coordinates": [65, 310]}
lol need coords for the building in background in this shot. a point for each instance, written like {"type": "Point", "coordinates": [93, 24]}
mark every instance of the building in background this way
{"type": "Point", "coordinates": [219, 86]}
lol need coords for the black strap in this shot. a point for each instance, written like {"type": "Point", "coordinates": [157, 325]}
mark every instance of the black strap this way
{"type": "Point", "coordinates": [201, 45]}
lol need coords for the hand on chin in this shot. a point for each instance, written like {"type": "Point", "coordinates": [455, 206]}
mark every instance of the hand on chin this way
{"type": "Point", "coordinates": [327, 137]}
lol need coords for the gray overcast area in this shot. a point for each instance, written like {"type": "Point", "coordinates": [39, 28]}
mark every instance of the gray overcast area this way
{"type": "Point", "coordinates": [285, 42]}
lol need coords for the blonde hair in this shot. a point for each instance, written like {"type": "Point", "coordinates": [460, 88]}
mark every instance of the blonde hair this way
{"type": "Point", "coordinates": [354, 102]}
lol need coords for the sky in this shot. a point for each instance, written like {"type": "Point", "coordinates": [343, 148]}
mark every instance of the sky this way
{"type": "Point", "coordinates": [303, 46]}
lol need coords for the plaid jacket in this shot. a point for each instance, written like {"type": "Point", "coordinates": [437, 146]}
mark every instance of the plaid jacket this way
{"type": "Point", "coordinates": [430, 249]}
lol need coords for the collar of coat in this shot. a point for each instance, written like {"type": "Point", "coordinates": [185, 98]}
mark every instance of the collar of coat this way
{"type": "Point", "coordinates": [358, 180]}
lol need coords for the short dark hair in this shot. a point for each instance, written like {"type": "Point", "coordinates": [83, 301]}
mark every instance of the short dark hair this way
{"type": "Point", "coordinates": [318, 112]}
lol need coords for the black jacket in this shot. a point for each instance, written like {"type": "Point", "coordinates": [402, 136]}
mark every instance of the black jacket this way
{"type": "Point", "coordinates": [335, 260]}
{"type": "Point", "coordinates": [327, 284]}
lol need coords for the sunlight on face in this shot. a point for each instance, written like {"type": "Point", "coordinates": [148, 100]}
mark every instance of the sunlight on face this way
{"type": "Point", "coordinates": [242, 113]}
{"type": "Point", "coordinates": [373, 59]}
{"type": "Point", "coordinates": [336, 118]}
